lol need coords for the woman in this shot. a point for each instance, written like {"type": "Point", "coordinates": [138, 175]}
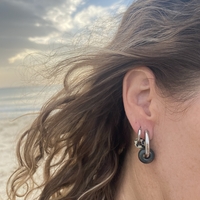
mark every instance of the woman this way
{"type": "Point", "coordinates": [129, 129]}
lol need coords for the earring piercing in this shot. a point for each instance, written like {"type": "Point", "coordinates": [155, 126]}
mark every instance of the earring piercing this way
{"type": "Point", "coordinates": [146, 154]}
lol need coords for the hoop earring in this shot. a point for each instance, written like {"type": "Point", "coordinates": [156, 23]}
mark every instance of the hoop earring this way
{"type": "Point", "coordinates": [146, 154]}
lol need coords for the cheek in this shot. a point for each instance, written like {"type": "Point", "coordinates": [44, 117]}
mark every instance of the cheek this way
{"type": "Point", "coordinates": [177, 135]}
{"type": "Point", "coordinates": [190, 123]}
{"type": "Point", "coordinates": [176, 143]}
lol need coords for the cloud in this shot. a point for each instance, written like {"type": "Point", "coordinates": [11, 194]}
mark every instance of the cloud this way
{"type": "Point", "coordinates": [31, 26]}
{"type": "Point", "coordinates": [68, 20]}
{"type": "Point", "coordinates": [65, 18]}
{"type": "Point", "coordinates": [18, 21]}
{"type": "Point", "coordinates": [35, 27]}
{"type": "Point", "coordinates": [46, 39]}
{"type": "Point", "coordinates": [61, 16]}
{"type": "Point", "coordinates": [21, 55]}
{"type": "Point", "coordinates": [87, 16]}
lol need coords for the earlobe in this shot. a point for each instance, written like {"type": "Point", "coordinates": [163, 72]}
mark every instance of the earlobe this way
{"type": "Point", "coordinates": [138, 94]}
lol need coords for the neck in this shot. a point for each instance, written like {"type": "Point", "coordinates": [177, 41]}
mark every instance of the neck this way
{"type": "Point", "coordinates": [160, 180]}
{"type": "Point", "coordinates": [138, 181]}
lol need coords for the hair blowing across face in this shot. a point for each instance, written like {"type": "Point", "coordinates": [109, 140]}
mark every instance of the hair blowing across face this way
{"type": "Point", "coordinates": [78, 142]}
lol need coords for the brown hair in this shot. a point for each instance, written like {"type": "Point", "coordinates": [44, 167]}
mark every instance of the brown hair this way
{"type": "Point", "coordinates": [81, 136]}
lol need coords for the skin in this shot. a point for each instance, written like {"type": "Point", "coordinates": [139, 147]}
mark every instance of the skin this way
{"type": "Point", "coordinates": [174, 136]}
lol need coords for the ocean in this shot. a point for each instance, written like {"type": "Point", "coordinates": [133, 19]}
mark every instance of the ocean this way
{"type": "Point", "coordinates": [18, 101]}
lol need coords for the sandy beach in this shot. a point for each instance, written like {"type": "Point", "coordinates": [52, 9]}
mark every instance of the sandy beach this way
{"type": "Point", "coordinates": [9, 134]}
{"type": "Point", "coordinates": [17, 108]}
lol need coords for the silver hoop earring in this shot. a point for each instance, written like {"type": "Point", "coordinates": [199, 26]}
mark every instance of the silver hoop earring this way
{"type": "Point", "coordinates": [146, 154]}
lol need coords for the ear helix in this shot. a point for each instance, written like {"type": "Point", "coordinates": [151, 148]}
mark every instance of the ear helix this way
{"type": "Point", "coordinates": [146, 154]}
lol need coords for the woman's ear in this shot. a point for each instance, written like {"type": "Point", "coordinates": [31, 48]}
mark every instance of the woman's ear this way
{"type": "Point", "coordinates": [139, 97]}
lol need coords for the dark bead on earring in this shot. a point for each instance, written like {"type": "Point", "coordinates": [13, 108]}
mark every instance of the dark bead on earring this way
{"type": "Point", "coordinates": [143, 158]}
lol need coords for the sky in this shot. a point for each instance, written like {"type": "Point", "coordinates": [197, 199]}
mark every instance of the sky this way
{"type": "Point", "coordinates": [36, 26]}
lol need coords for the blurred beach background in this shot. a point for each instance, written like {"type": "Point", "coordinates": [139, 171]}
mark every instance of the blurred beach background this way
{"type": "Point", "coordinates": [18, 108]}
{"type": "Point", "coordinates": [30, 30]}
